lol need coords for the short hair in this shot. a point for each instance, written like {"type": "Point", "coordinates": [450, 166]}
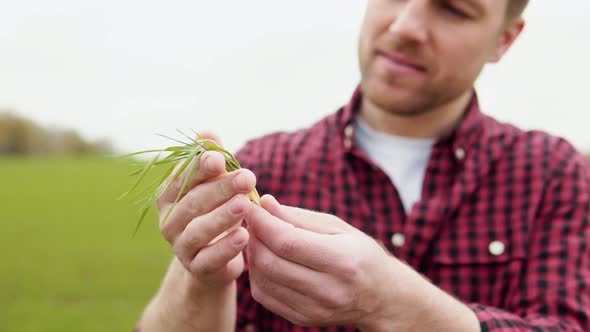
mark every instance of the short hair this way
{"type": "Point", "coordinates": [515, 8]}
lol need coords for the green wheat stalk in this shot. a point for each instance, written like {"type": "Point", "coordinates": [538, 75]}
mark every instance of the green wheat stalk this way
{"type": "Point", "coordinates": [179, 158]}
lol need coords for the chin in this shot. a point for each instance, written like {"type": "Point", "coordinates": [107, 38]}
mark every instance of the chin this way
{"type": "Point", "coordinates": [395, 100]}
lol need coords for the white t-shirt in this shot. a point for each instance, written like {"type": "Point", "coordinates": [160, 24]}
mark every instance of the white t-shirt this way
{"type": "Point", "coordinates": [403, 159]}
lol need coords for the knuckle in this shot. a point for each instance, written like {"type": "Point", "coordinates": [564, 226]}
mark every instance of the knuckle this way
{"type": "Point", "coordinates": [182, 255]}
{"type": "Point", "coordinates": [223, 253]}
{"type": "Point", "coordinates": [226, 187]}
{"type": "Point", "coordinates": [267, 266]}
{"type": "Point", "coordinates": [286, 247]}
{"type": "Point", "coordinates": [239, 200]}
{"type": "Point", "coordinates": [167, 231]}
{"type": "Point", "coordinates": [337, 300]}
{"type": "Point", "coordinates": [267, 285]}
{"type": "Point", "coordinates": [349, 269]}
{"type": "Point", "coordinates": [193, 237]}
{"type": "Point", "coordinates": [192, 206]}
{"type": "Point", "coordinates": [201, 267]}
{"type": "Point", "coordinates": [213, 224]}
{"type": "Point", "coordinates": [213, 258]}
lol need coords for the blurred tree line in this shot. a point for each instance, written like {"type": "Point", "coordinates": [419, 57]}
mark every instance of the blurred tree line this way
{"type": "Point", "coordinates": [21, 136]}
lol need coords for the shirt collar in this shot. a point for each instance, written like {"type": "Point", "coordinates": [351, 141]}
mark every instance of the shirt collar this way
{"type": "Point", "coordinates": [461, 139]}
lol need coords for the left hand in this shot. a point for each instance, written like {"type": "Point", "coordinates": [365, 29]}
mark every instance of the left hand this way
{"type": "Point", "coordinates": [314, 269]}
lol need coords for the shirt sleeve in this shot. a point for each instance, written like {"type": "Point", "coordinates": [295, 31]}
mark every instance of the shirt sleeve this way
{"type": "Point", "coordinates": [553, 289]}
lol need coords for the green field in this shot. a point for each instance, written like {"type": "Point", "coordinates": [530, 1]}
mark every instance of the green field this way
{"type": "Point", "coordinates": [69, 262]}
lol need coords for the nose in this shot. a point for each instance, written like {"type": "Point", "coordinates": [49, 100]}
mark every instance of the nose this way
{"type": "Point", "coordinates": [410, 25]}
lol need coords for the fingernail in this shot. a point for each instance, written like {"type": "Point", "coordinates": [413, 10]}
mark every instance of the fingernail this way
{"type": "Point", "coordinates": [240, 182]}
{"type": "Point", "coordinates": [273, 200]}
{"type": "Point", "coordinates": [269, 202]}
{"type": "Point", "coordinates": [237, 239]}
{"type": "Point", "coordinates": [236, 207]}
{"type": "Point", "coordinates": [208, 162]}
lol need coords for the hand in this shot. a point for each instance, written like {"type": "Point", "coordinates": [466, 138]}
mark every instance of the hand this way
{"type": "Point", "coordinates": [204, 227]}
{"type": "Point", "coordinates": [315, 269]}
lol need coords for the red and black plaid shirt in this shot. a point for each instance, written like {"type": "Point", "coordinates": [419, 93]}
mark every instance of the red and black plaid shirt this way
{"type": "Point", "coordinates": [502, 222]}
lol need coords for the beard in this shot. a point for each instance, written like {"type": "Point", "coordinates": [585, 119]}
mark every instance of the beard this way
{"type": "Point", "coordinates": [404, 101]}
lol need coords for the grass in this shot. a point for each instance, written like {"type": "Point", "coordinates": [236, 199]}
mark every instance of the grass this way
{"type": "Point", "coordinates": [70, 262]}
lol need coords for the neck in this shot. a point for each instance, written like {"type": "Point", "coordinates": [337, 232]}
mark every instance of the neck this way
{"type": "Point", "coordinates": [431, 123]}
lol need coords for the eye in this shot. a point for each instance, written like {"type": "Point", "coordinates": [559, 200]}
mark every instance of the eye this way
{"type": "Point", "coordinates": [454, 10]}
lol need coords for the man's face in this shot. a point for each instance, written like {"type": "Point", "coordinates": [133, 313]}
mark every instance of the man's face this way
{"type": "Point", "coordinates": [418, 54]}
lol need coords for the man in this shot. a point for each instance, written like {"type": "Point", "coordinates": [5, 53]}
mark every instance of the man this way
{"type": "Point", "coordinates": [433, 216]}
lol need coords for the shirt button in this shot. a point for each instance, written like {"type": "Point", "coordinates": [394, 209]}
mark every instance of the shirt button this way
{"type": "Point", "coordinates": [250, 328]}
{"type": "Point", "coordinates": [398, 240]}
{"type": "Point", "coordinates": [460, 153]}
{"type": "Point", "coordinates": [496, 248]}
{"type": "Point", "coordinates": [347, 143]}
{"type": "Point", "coordinates": [348, 131]}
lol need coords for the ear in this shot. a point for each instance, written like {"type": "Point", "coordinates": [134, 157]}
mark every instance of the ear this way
{"type": "Point", "coordinates": [507, 36]}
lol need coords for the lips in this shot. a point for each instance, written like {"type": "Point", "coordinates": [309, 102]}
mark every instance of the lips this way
{"type": "Point", "coordinates": [399, 64]}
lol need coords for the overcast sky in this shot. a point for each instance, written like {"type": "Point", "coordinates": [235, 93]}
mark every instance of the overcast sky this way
{"type": "Point", "coordinates": [128, 69]}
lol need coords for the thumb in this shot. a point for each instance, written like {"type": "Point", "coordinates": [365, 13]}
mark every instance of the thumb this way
{"type": "Point", "coordinates": [316, 222]}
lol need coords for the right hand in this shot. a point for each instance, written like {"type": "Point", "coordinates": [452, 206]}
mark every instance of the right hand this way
{"type": "Point", "coordinates": [204, 227]}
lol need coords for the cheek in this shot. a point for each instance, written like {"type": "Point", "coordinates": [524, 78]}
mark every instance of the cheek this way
{"type": "Point", "coordinates": [460, 62]}
{"type": "Point", "coordinates": [364, 48]}
{"type": "Point", "coordinates": [373, 26]}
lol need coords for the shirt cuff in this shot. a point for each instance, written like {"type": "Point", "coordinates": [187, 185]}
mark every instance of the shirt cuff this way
{"type": "Point", "coordinates": [498, 320]}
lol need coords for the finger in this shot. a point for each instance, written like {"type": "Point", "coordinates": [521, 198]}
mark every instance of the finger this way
{"type": "Point", "coordinates": [210, 136]}
{"type": "Point", "coordinates": [214, 259]}
{"type": "Point", "coordinates": [205, 198]}
{"type": "Point", "coordinates": [211, 165]}
{"type": "Point", "coordinates": [203, 229]}
{"type": "Point", "coordinates": [268, 267]}
{"type": "Point", "coordinates": [215, 167]}
{"type": "Point", "coordinates": [301, 246]}
{"type": "Point", "coordinates": [278, 307]}
{"type": "Point", "coordinates": [304, 219]}
{"type": "Point", "coordinates": [264, 289]}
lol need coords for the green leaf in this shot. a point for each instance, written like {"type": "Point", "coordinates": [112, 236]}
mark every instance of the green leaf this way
{"type": "Point", "coordinates": [141, 175]}
{"type": "Point", "coordinates": [184, 158]}
{"type": "Point", "coordinates": [185, 135]}
{"type": "Point", "coordinates": [135, 153]}
{"type": "Point", "coordinates": [144, 210]}
{"type": "Point", "coordinates": [194, 162]}
{"type": "Point", "coordinates": [173, 139]}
